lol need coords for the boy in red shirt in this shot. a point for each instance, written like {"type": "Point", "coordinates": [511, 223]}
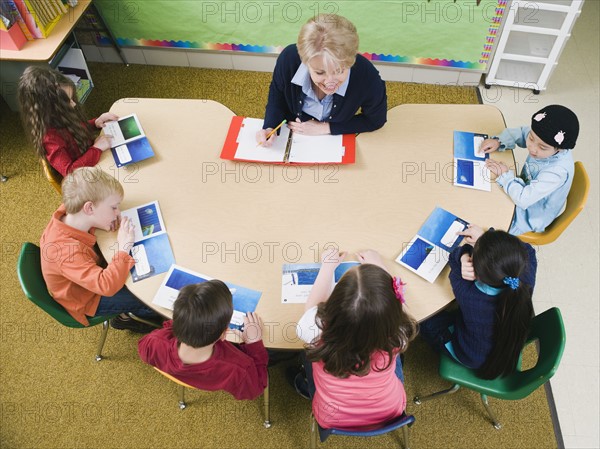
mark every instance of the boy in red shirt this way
{"type": "Point", "coordinates": [192, 346]}
{"type": "Point", "coordinates": [77, 277]}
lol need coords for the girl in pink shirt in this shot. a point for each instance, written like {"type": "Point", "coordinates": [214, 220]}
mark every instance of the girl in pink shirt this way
{"type": "Point", "coordinates": [355, 333]}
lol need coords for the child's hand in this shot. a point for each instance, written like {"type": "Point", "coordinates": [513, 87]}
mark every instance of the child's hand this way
{"type": "Point", "coordinates": [466, 267]}
{"type": "Point", "coordinates": [125, 235]}
{"type": "Point", "coordinates": [106, 117]}
{"type": "Point", "coordinates": [261, 137]}
{"type": "Point", "coordinates": [252, 329]}
{"type": "Point", "coordinates": [103, 142]}
{"type": "Point", "coordinates": [490, 145]}
{"type": "Point", "coordinates": [495, 167]}
{"type": "Point", "coordinates": [332, 257]}
{"type": "Point", "coordinates": [471, 234]}
{"type": "Point", "coordinates": [115, 224]}
{"type": "Point", "coordinates": [371, 256]}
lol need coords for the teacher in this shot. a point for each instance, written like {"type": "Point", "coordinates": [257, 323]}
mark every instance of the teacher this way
{"type": "Point", "coordinates": [321, 82]}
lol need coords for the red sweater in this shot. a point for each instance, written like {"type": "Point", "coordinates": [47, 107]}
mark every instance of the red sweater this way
{"type": "Point", "coordinates": [71, 271]}
{"type": "Point", "coordinates": [63, 153]}
{"type": "Point", "coordinates": [241, 372]}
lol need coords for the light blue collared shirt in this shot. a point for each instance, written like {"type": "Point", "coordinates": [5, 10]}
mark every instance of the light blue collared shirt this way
{"type": "Point", "coordinates": [541, 190]}
{"type": "Point", "coordinates": [312, 105]}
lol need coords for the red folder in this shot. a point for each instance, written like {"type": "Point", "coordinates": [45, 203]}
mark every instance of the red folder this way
{"type": "Point", "coordinates": [230, 146]}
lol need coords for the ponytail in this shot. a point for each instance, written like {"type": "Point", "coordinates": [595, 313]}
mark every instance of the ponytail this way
{"type": "Point", "coordinates": [500, 260]}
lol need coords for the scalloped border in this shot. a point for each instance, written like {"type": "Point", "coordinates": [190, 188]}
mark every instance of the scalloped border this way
{"type": "Point", "coordinates": [481, 64]}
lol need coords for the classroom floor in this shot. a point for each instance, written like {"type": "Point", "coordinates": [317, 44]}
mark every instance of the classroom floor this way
{"type": "Point", "coordinates": [568, 269]}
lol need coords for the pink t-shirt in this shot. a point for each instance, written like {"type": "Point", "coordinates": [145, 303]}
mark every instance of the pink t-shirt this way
{"type": "Point", "coordinates": [354, 401]}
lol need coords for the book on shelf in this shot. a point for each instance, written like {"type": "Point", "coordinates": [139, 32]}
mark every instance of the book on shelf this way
{"type": "Point", "coordinates": [129, 142]}
{"type": "Point", "coordinates": [427, 253]}
{"type": "Point", "coordinates": [288, 148]}
{"type": "Point", "coordinates": [11, 12]}
{"type": "Point", "coordinates": [38, 19]}
{"type": "Point", "coordinates": [151, 248]}
{"type": "Point", "coordinates": [244, 299]}
{"type": "Point", "coordinates": [297, 280]}
{"type": "Point", "coordinates": [469, 161]}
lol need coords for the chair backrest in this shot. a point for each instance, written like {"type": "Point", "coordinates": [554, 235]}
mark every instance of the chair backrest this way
{"type": "Point", "coordinates": [54, 178]}
{"type": "Point", "coordinates": [396, 423]}
{"type": "Point", "coordinates": [174, 379]}
{"type": "Point", "coordinates": [29, 270]}
{"type": "Point", "coordinates": [576, 200]}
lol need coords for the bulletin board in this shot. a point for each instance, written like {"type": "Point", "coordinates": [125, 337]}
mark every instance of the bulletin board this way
{"type": "Point", "coordinates": [451, 33]}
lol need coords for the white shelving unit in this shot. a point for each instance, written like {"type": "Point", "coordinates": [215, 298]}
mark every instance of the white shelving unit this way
{"type": "Point", "coordinates": [532, 39]}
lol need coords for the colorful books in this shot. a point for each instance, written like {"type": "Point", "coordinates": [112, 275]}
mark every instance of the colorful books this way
{"type": "Point", "coordinates": [428, 252]}
{"type": "Point", "coordinates": [298, 279]}
{"type": "Point", "coordinates": [469, 161]}
{"type": "Point", "coordinates": [244, 299]}
{"type": "Point", "coordinates": [40, 16]}
{"type": "Point", "coordinates": [129, 142]}
{"type": "Point", "coordinates": [151, 249]}
{"type": "Point", "coordinates": [241, 145]}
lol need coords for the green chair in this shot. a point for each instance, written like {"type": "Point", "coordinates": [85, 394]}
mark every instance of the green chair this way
{"type": "Point", "coordinates": [29, 269]}
{"type": "Point", "coordinates": [547, 329]}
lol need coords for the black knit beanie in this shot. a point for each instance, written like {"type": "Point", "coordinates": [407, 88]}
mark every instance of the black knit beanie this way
{"type": "Point", "coordinates": [556, 125]}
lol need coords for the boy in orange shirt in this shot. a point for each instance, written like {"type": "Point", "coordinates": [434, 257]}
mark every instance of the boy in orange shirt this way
{"type": "Point", "coordinates": [77, 277]}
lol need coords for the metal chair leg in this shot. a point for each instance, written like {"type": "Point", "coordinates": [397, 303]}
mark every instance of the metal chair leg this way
{"type": "Point", "coordinates": [267, 422]}
{"type": "Point", "coordinates": [453, 389]}
{"type": "Point", "coordinates": [3, 178]}
{"type": "Point", "coordinates": [142, 320]}
{"type": "Point", "coordinates": [103, 335]}
{"type": "Point", "coordinates": [486, 404]}
{"type": "Point", "coordinates": [182, 404]}
{"type": "Point", "coordinates": [314, 433]}
{"type": "Point", "coordinates": [405, 434]}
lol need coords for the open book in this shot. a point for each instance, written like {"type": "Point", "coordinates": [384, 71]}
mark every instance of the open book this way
{"type": "Point", "coordinates": [129, 143]}
{"type": "Point", "coordinates": [151, 249]}
{"type": "Point", "coordinates": [469, 161]}
{"type": "Point", "coordinates": [298, 279]}
{"type": "Point", "coordinates": [241, 145]}
{"type": "Point", "coordinates": [244, 299]}
{"type": "Point", "coordinates": [428, 252]}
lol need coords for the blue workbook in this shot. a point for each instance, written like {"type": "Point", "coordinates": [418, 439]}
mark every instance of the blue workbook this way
{"type": "Point", "coordinates": [298, 279]}
{"type": "Point", "coordinates": [427, 253]}
{"type": "Point", "coordinates": [129, 143]}
{"type": "Point", "coordinates": [151, 248]}
{"type": "Point", "coordinates": [244, 299]}
{"type": "Point", "coordinates": [469, 161]}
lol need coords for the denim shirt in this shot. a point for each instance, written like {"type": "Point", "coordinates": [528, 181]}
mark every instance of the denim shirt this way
{"type": "Point", "coordinates": [540, 192]}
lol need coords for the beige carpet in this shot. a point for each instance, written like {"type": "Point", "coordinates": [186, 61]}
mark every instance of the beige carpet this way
{"type": "Point", "coordinates": [53, 394]}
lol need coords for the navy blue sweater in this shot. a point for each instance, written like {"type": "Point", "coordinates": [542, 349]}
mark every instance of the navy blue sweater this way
{"type": "Point", "coordinates": [366, 91]}
{"type": "Point", "coordinates": [474, 327]}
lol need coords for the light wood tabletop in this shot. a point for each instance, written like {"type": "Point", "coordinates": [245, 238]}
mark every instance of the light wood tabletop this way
{"type": "Point", "coordinates": [240, 222]}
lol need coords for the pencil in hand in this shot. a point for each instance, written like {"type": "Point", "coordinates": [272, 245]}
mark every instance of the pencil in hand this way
{"type": "Point", "coordinates": [272, 132]}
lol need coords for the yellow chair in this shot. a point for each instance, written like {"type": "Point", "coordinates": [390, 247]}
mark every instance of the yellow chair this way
{"type": "Point", "coordinates": [54, 178]}
{"type": "Point", "coordinates": [183, 405]}
{"type": "Point", "coordinates": [575, 202]}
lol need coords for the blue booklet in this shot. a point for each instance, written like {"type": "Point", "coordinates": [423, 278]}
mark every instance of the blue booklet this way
{"type": "Point", "coordinates": [129, 142]}
{"type": "Point", "coordinates": [244, 299]}
{"type": "Point", "coordinates": [427, 253]}
{"type": "Point", "coordinates": [469, 161]}
{"type": "Point", "coordinates": [151, 248]}
{"type": "Point", "coordinates": [298, 279]}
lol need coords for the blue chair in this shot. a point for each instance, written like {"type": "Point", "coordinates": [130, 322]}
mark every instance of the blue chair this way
{"type": "Point", "coordinates": [404, 421]}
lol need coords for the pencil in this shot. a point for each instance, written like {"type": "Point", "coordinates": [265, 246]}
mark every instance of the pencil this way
{"type": "Point", "coordinates": [273, 132]}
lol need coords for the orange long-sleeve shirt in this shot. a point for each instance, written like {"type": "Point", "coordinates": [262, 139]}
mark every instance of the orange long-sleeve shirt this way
{"type": "Point", "coordinates": [71, 271]}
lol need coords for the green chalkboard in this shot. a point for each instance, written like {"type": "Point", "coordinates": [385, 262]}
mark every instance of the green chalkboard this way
{"type": "Point", "coordinates": [434, 32]}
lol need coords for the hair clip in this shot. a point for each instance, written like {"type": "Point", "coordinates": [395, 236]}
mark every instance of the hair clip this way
{"type": "Point", "coordinates": [398, 289]}
{"type": "Point", "coordinates": [513, 283]}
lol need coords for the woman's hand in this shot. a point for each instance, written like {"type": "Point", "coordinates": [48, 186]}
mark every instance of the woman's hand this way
{"type": "Point", "coordinates": [310, 127]}
{"type": "Point", "coordinates": [261, 137]}
{"type": "Point", "coordinates": [106, 117]}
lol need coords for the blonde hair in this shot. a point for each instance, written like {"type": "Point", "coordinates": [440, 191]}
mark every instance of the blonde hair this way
{"type": "Point", "coordinates": [44, 104]}
{"type": "Point", "coordinates": [331, 36]}
{"type": "Point", "coordinates": [88, 184]}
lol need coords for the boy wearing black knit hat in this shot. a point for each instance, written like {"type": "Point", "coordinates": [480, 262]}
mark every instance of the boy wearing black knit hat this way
{"type": "Point", "coordinates": [540, 191]}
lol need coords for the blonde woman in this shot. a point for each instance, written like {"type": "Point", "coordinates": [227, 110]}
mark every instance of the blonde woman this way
{"type": "Point", "coordinates": [320, 83]}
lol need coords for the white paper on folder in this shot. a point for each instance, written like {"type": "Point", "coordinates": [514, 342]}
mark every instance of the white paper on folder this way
{"type": "Point", "coordinates": [249, 150]}
{"type": "Point", "coordinates": [318, 149]}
